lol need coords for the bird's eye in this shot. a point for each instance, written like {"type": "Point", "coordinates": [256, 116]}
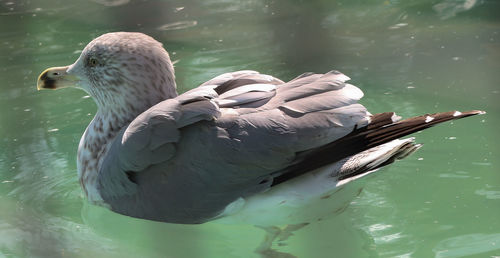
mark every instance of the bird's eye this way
{"type": "Point", "coordinates": [93, 62]}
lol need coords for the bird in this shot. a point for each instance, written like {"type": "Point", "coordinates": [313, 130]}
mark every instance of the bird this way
{"type": "Point", "coordinates": [243, 147]}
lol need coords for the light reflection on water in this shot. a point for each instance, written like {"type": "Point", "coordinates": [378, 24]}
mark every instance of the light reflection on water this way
{"type": "Point", "coordinates": [410, 57]}
{"type": "Point", "coordinates": [466, 245]}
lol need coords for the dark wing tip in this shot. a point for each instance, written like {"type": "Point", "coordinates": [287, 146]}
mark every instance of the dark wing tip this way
{"type": "Point", "coordinates": [383, 128]}
{"type": "Point", "coordinates": [475, 112]}
{"type": "Point", "coordinates": [459, 114]}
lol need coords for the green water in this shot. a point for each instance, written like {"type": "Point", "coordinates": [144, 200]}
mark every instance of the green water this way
{"type": "Point", "coordinates": [413, 57]}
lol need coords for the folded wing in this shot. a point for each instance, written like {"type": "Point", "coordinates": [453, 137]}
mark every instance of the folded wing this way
{"type": "Point", "coordinates": [186, 158]}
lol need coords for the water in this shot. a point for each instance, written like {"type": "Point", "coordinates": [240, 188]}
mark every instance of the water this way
{"type": "Point", "coordinates": [412, 57]}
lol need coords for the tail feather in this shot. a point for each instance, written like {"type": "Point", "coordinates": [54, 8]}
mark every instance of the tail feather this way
{"type": "Point", "coordinates": [377, 157]}
{"type": "Point", "coordinates": [377, 136]}
{"type": "Point", "coordinates": [383, 128]}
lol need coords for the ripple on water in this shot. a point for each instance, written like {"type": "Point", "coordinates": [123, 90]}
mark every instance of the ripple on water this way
{"type": "Point", "coordinates": [489, 194]}
{"type": "Point", "coordinates": [469, 244]}
{"type": "Point", "coordinates": [378, 227]}
{"type": "Point", "coordinates": [178, 25]}
{"type": "Point", "coordinates": [388, 238]}
{"type": "Point", "coordinates": [111, 2]}
{"type": "Point", "coordinates": [457, 174]}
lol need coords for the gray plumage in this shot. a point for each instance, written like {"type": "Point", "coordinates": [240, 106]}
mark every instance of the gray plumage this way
{"type": "Point", "coordinates": [198, 157]}
{"type": "Point", "coordinates": [194, 157]}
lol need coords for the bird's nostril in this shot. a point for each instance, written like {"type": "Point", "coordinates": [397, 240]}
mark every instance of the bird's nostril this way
{"type": "Point", "coordinates": [55, 74]}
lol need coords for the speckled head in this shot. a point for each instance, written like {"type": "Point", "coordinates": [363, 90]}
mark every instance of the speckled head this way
{"type": "Point", "coordinates": [126, 73]}
{"type": "Point", "coordinates": [118, 69]}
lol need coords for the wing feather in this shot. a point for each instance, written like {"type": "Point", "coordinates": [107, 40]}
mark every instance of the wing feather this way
{"type": "Point", "coordinates": [227, 138]}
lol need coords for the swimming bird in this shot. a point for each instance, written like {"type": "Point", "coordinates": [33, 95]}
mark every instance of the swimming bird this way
{"type": "Point", "coordinates": [242, 146]}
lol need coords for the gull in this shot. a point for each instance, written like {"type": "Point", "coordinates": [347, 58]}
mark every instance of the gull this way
{"type": "Point", "coordinates": [242, 147]}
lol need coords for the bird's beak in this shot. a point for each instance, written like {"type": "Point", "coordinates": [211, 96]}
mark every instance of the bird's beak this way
{"type": "Point", "coordinates": [56, 78]}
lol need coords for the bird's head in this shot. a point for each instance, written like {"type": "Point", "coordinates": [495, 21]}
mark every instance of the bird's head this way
{"type": "Point", "coordinates": [116, 69]}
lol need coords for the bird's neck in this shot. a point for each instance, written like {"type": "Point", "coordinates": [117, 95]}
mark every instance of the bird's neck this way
{"type": "Point", "coordinates": [114, 113]}
{"type": "Point", "coordinates": [94, 145]}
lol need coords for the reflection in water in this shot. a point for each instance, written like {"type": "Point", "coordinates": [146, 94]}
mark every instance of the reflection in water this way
{"type": "Point", "coordinates": [44, 190]}
{"type": "Point", "coordinates": [489, 194]}
{"type": "Point", "coordinates": [384, 232]}
{"type": "Point", "coordinates": [279, 235]}
{"type": "Point", "coordinates": [111, 2]}
{"type": "Point", "coordinates": [178, 25]}
{"type": "Point", "coordinates": [466, 245]}
{"type": "Point", "coordinates": [449, 8]}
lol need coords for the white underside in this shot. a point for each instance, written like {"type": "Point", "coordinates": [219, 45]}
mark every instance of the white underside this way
{"type": "Point", "coordinates": [310, 197]}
